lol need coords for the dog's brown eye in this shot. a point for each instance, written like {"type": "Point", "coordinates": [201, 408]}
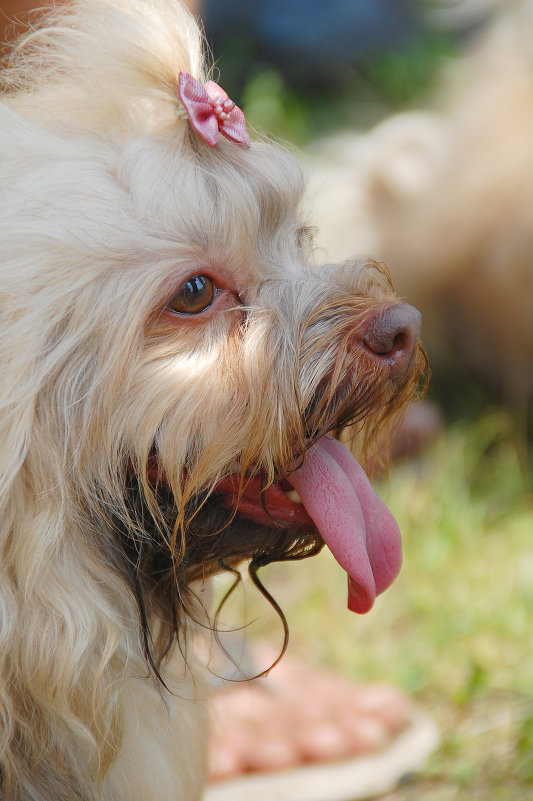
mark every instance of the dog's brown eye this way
{"type": "Point", "coordinates": [194, 295]}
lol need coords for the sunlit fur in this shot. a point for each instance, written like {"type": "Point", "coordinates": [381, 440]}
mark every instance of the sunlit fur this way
{"type": "Point", "coordinates": [118, 417]}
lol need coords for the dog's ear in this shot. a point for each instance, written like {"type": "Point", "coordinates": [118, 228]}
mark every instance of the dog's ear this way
{"type": "Point", "coordinates": [106, 65]}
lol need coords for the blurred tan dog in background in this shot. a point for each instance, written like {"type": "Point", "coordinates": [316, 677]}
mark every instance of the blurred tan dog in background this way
{"type": "Point", "coordinates": [444, 197]}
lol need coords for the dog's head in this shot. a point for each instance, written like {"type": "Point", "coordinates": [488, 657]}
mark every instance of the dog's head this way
{"type": "Point", "coordinates": [174, 359]}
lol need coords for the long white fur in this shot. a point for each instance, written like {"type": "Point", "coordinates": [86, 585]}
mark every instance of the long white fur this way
{"type": "Point", "coordinates": [108, 203]}
{"type": "Point", "coordinates": [76, 254]}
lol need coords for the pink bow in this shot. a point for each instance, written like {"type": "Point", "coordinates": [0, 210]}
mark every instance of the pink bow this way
{"type": "Point", "coordinates": [211, 112]}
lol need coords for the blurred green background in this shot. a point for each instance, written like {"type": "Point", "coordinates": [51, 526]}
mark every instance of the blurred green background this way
{"type": "Point", "coordinates": [456, 629]}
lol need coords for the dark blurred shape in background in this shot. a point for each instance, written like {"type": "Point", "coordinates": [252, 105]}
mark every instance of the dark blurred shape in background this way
{"type": "Point", "coordinates": [307, 67]}
{"type": "Point", "coordinates": [310, 41]}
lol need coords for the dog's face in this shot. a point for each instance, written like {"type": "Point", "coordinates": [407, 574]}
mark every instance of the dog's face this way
{"type": "Point", "coordinates": [177, 353]}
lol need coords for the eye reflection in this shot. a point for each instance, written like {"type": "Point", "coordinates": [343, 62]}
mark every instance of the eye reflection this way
{"type": "Point", "coordinates": [194, 295]}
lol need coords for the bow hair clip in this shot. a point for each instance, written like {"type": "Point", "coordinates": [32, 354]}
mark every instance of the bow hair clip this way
{"type": "Point", "coordinates": [211, 112]}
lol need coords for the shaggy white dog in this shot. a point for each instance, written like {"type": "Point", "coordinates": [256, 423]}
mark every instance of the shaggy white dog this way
{"type": "Point", "coordinates": [171, 366]}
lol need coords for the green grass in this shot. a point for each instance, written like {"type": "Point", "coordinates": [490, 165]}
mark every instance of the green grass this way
{"type": "Point", "coordinates": [456, 629]}
{"type": "Point", "coordinates": [390, 81]}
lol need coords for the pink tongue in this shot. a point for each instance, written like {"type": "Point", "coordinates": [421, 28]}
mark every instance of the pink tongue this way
{"type": "Point", "coordinates": [354, 522]}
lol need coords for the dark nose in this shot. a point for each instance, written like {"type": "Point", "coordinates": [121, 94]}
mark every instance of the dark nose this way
{"type": "Point", "coordinates": [392, 335]}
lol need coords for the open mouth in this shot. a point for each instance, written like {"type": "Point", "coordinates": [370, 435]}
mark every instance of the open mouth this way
{"type": "Point", "coordinates": [330, 491]}
{"type": "Point", "coordinates": [278, 504]}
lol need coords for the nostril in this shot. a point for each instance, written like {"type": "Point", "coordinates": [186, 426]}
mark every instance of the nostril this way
{"type": "Point", "coordinates": [393, 336]}
{"type": "Point", "coordinates": [385, 342]}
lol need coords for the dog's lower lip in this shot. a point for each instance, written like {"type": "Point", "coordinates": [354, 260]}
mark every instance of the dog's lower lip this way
{"type": "Point", "coordinates": [282, 504]}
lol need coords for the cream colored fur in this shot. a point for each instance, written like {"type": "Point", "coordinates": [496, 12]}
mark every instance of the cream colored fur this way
{"type": "Point", "coordinates": [109, 202]}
